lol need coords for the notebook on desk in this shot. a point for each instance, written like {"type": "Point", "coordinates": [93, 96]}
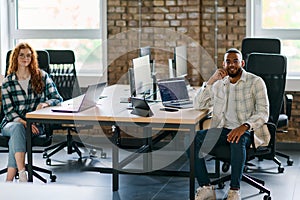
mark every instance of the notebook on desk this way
{"type": "Point", "coordinates": [83, 102]}
{"type": "Point", "coordinates": [174, 93]}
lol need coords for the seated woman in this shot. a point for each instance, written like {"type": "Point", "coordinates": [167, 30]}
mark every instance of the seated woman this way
{"type": "Point", "coordinates": [25, 89]}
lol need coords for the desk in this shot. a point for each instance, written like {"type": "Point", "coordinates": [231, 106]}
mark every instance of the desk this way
{"type": "Point", "coordinates": [110, 112]}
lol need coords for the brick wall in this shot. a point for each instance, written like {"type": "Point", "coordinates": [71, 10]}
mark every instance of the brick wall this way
{"type": "Point", "coordinates": [195, 19]}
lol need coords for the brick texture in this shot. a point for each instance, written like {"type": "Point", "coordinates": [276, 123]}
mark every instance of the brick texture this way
{"type": "Point", "coordinates": [195, 19]}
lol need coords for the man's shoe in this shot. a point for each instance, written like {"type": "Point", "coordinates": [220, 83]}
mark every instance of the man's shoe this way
{"type": "Point", "coordinates": [234, 195]}
{"type": "Point", "coordinates": [23, 176]}
{"type": "Point", "coordinates": [205, 193]}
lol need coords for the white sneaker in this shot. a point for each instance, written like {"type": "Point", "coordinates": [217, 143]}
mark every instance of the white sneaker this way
{"type": "Point", "coordinates": [205, 193]}
{"type": "Point", "coordinates": [234, 195]}
{"type": "Point", "coordinates": [23, 176]}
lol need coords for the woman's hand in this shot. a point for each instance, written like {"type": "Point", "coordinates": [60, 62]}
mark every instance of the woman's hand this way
{"type": "Point", "coordinates": [34, 128]}
{"type": "Point", "coordinates": [41, 106]}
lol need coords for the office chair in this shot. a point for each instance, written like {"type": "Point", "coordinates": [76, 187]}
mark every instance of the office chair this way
{"type": "Point", "coordinates": [271, 45]}
{"type": "Point", "coordinates": [273, 73]}
{"type": "Point", "coordinates": [258, 64]}
{"type": "Point", "coordinates": [63, 73]}
{"type": "Point", "coordinates": [260, 45]}
{"type": "Point", "coordinates": [37, 141]}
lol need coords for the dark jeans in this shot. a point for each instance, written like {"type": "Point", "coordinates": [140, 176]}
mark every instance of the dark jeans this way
{"type": "Point", "coordinates": [214, 141]}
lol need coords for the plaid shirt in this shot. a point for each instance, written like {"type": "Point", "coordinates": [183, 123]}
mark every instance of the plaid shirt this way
{"type": "Point", "coordinates": [252, 104]}
{"type": "Point", "coordinates": [16, 103]}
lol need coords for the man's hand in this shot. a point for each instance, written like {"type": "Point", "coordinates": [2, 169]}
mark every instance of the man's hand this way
{"type": "Point", "coordinates": [218, 75]}
{"type": "Point", "coordinates": [235, 134]}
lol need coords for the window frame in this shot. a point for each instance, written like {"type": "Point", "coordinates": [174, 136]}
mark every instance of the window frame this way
{"type": "Point", "coordinates": [254, 29]}
{"type": "Point", "coordinates": [16, 34]}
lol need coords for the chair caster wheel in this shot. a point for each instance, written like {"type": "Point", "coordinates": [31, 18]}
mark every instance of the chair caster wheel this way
{"type": "Point", "coordinates": [53, 178]}
{"type": "Point", "coordinates": [103, 155]}
{"type": "Point", "coordinates": [45, 155]}
{"type": "Point", "coordinates": [93, 152]}
{"type": "Point", "coordinates": [280, 169]}
{"type": "Point", "coordinates": [48, 161]}
{"type": "Point", "coordinates": [225, 167]}
{"type": "Point", "coordinates": [267, 197]}
{"type": "Point", "coordinates": [221, 185]}
{"type": "Point", "coordinates": [290, 162]}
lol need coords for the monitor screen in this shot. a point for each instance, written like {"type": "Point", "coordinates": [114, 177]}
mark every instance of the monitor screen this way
{"type": "Point", "coordinates": [142, 74]}
{"type": "Point", "coordinates": [180, 61]}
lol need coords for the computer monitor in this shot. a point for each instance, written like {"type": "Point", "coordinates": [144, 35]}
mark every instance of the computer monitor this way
{"type": "Point", "coordinates": [180, 61]}
{"type": "Point", "coordinates": [142, 75]}
{"type": "Point", "coordinates": [145, 51]}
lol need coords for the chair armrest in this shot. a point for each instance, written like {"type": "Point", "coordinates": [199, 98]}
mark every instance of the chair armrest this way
{"type": "Point", "coordinates": [204, 120]}
{"type": "Point", "coordinates": [288, 104]}
{"type": "Point", "coordinates": [272, 129]}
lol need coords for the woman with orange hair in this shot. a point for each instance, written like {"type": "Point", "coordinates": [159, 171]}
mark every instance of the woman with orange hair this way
{"type": "Point", "coordinates": [25, 88]}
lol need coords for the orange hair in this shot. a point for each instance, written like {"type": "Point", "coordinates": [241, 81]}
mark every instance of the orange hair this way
{"type": "Point", "coordinates": [36, 75]}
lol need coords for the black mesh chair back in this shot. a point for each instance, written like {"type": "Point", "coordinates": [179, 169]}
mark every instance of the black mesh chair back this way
{"type": "Point", "coordinates": [63, 73]}
{"type": "Point", "coordinates": [260, 45]}
{"type": "Point", "coordinates": [272, 69]}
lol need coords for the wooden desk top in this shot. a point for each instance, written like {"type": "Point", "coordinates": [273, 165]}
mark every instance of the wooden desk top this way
{"type": "Point", "coordinates": [110, 109]}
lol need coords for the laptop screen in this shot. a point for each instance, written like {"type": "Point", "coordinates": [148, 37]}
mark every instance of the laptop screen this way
{"type": "Point", "coordinates": [173, 90]}
{"type": "Point", "coordinates": [92, 95]}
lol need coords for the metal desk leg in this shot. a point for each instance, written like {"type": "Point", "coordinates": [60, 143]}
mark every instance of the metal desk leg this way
{"type": "Point", "coordinates": [29, 151]}
{"type": "Point", "coordinates": [192, 168]}
{"type": "Point", "coordinates": [147, 156]}
{"type": "Point", "coordinates": [115, 168]}
{"type": "Point", "coordinates": [115, 158]}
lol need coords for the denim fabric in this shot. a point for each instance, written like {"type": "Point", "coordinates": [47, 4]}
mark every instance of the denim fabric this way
{"type": "Point", "coordinates": [210, 141]}
{"type": "Point", "coordinates": [17, 142]}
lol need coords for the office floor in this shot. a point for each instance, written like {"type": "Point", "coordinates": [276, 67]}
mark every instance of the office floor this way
{"type": "Point", "coordinates": [73, 184]}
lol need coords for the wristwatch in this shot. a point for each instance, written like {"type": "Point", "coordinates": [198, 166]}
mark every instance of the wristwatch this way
{"type": "Point", "coordinates": [247, 125]}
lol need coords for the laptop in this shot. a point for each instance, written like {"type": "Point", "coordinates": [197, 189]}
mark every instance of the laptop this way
{"type": "Point", "coordinates": [83, 102]}
{"type": "Point", "coordinates": [174, 93]}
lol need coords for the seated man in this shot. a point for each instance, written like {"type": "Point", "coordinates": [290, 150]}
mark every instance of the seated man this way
{"type": "Point", "coordinates": [240, 104]}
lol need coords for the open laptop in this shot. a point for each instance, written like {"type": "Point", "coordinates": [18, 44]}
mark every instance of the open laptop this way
{"type": "Point", "coordinates": [83, 102]}
{"type": "Point", "coordinates": [174, 93]}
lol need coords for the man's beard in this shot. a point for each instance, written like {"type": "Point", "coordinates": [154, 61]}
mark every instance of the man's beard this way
{"type": "Point", "coordinates": [235, 74]}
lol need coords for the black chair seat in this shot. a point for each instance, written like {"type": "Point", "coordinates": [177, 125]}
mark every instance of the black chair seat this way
{"type": "Point", "coordinates": [3, 141]}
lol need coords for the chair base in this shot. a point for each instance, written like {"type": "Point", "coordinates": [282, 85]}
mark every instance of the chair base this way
{"type": "Point", "coordinates": [278, 162]}
{"type": "Point", "coordinates": [290, 161]}
{"type": "Point", "coordinates": [72, 146]}
{"type": "Point", "coordinates": [255, 182]}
